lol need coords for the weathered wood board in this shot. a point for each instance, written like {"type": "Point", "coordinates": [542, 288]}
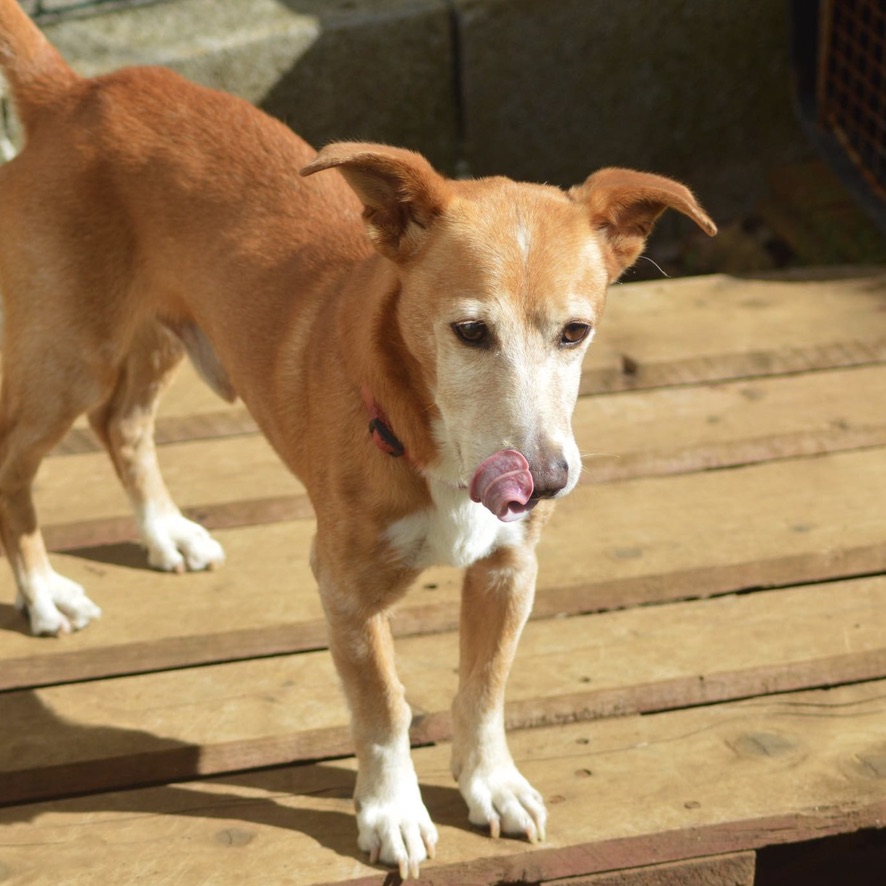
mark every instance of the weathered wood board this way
{"type": "Point", "coordinates": [695, 329]}
{"type": "Point", "coordinates": [622, 792]}
{"type": "Point", "coordinates": [698, 329]}
{"type": "Point", "coordinates": [691, 428]}
{"type": "Point", "coordinates": [734, 869]}
{"type": "Point", "coordinates": [625, 435]}
{"type": "Point", "coordinates": [723, 560]}
{"type": "Point", "coordinates": [206, 473]}
{"type": "Point", "coordinates": [621, 544]}
{"type": "Point", "coordinates": [198, 721]}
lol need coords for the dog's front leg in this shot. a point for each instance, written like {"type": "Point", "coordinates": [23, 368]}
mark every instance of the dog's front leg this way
{"type": "Point", "coordinates": [496, 600]}
{"type": "Point", "coordinates": [393, 824]}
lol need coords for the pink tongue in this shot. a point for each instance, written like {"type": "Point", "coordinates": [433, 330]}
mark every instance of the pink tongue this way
{"type": "Point", "coordinates": [503, 484]}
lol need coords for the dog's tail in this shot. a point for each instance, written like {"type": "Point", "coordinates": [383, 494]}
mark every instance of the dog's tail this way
{"type": "Point", "coordinates": [36, 73]}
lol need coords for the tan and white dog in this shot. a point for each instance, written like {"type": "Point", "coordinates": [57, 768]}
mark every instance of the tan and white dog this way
{"type": "Point", "coordinates": [147, 217]}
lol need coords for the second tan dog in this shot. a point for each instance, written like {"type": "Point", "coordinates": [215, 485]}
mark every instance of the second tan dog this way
{"type": "Point", "coordinates": [147, 217]}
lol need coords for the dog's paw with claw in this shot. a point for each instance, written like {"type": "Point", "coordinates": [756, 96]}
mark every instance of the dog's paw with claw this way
{"type": "Point", "coordinates": [500, 798]}
{"type": "Point", "coordinates": [397, 831]}
{"type": "Point", "coordinates": [176, 544]}
{"type": "Point", "coordinates": [56, 605]}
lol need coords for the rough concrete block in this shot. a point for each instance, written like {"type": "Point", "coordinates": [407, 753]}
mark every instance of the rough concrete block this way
{"type": "Point", "coordinates": [544, 90]}
{"type": "Point", "coordinates": [332, 69]}
{"type": "Point", "coordinates": [381, 70]}
{"type": "Point", "coordinates": [241, 46]}
{"type": "Point", "coordinates": [696, 89]}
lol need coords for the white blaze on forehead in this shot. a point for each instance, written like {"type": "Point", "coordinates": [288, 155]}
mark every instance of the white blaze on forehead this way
{"type": "Point", "coordinates": [523, 237]}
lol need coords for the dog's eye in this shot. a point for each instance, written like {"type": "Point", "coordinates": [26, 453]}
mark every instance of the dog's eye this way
{"type": "Point", "coordinates": [574, 333]}
{"type": "Point", "coordinates": [472, 332]}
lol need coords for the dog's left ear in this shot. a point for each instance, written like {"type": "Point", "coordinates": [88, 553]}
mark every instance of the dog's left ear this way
{"type": "Point", "coordinates": [401, 192]}
{"type": "Point", "coordinates": [624, 206]}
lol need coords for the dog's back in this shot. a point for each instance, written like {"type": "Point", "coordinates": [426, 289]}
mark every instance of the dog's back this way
{"type": "Point", "coordinates": [141, 196]}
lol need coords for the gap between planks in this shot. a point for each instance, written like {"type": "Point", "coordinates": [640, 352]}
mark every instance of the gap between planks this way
{"type": "Point", "coordinates": [186, 723]}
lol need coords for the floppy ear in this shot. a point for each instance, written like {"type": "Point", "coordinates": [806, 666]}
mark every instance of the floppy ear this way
{"type": "Point", "coordinates": [624, 206]}
{"type": "Point", "coordinates": [401, 192]}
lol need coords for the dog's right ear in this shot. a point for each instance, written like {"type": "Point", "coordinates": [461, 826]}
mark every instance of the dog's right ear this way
{"type": "Point", "coordinates": [401, 192]}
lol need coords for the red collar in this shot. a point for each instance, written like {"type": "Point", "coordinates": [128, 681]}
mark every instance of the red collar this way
{"type": "Point", "coordinates": [380, 429]}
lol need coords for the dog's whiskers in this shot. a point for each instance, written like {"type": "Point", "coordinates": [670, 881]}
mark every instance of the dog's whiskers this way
{"type": "Point", "coordinates": [657, 265]}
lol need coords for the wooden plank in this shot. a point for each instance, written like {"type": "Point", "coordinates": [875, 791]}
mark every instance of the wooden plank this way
{"type": "Point", "coordinates": [691, 428]}
{"type": "Point", "coordinates": [689, 330]}
{"type": "Point", "coordinates": [265, 589]}
{"type": "Point", "coordinates": [626, 435]}
{"type": "Point", "coordinates": [794, 316]}
{"type": "Point", "coordinates": [697, 329]}
{"type": "Point", "coordinates": [263, 602]}
{"type": "Point", "coordinates": [622, 793]}
{"type": "Point", "coordinates": [640, 541]}
{"type": "Point", "coordinates": [776, 523]}
{"type": "Point", "coordinates": [79, 535]}
{"type": "Point", "coordinates": [73, 488]}
{"type": "Point", "coordinates": [233, 422]}
{"type": "Point", "coordinates": [739, 759]}
{"type": "Point", "coordinates": [697, 427]}
{"type": "Point", "coordinates": [188, 396]}
{"type": "Point", "coordinates": [734, 869]}
{"type": "Point", "coordinates": [181, 724]}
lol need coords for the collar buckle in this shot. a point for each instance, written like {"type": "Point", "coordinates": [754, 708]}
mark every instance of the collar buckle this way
{"type": "Point", "coordinates": [385, 438]}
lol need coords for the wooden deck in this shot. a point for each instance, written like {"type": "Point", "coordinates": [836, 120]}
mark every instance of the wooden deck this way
{"type": "Point", "coordinates": [704, 676]}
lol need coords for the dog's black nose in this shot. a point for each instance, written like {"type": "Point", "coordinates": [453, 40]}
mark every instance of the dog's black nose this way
{"type": "Point", "coordinates": [549, 477]}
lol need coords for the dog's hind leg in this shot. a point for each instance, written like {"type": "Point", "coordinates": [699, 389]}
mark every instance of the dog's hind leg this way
{"type": "Point", "coordinates": [125, 424]}
{"type": "Point", "coordinates": [35, 412]}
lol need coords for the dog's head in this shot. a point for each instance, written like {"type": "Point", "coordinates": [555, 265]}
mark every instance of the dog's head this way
{"type": "Point", "coordinates": [502, 286]}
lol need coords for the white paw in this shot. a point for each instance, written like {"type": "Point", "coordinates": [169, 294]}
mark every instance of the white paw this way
{"type": "Point", "coordinates": [500, 798]}
{"type": "Point", "coordinates": [396, 829]}
{"type": "Point", "coordinates": [176, 544]}
{"type": "Point", "coordinates": [56, 605]}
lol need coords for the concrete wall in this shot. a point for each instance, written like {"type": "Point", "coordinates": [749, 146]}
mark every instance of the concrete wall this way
{"type": "Point", "coordinates": [697, 89]}
{"type": "Point", "coordinates": [543, 90]}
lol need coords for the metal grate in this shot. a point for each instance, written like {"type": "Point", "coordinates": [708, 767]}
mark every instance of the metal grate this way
{"type": "Point", "coordinates": [839, 71]}
{"type": "Point", "coordinates": [852, 83]}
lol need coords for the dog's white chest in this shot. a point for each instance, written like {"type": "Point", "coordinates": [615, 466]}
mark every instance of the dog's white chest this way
{"type": "Point", "coordinates": [455, 531]}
